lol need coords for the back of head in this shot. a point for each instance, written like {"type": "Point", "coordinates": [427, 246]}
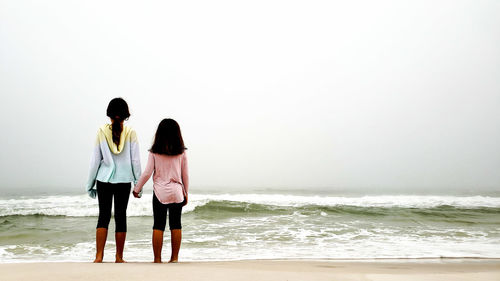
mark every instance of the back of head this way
{"type": "Point", "coordinates": [118, 109]}
{"type": "Point", "coordinates": [118, 112]}
{"type": "Point", "coordinates": [168, 138]}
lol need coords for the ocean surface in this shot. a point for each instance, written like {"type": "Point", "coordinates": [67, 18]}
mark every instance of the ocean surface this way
{"type": "Point", "coordinates": [261, 225]}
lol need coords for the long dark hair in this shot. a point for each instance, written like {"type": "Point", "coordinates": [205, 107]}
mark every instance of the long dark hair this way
{"type": "Point", "coordinates": [168, 138]}
{"type": "Point", "coordinates": [118, 112]}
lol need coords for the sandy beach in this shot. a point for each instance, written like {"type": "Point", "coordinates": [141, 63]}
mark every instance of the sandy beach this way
{"type": "Point", "coordinates": [442, 269]}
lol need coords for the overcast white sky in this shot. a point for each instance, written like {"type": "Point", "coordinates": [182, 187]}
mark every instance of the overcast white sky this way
{"type": "Point", "coordinates": [331, 94]}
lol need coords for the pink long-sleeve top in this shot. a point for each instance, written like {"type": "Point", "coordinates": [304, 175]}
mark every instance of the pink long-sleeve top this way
{"type": "Point", "coordinates": [170, 178]}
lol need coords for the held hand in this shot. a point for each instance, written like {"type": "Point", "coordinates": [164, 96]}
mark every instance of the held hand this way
{"type": "Point", "coordinates": [136, 195]}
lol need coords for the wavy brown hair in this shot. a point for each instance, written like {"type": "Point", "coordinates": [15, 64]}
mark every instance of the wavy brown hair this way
{"type": "Point", "coordinates": [168, 138]}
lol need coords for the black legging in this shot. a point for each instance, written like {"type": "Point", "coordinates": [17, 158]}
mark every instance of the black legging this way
{"type": "Point", "coordinates": [160, 215]}
{"type": "Point", "coordinates": [105, 193]}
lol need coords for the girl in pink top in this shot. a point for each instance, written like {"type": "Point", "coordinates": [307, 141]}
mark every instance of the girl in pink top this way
{"type": "Point", "coordinates": [167, 159]}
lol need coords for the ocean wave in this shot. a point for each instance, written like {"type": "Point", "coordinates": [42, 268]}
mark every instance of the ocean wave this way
{"type": "Point", "coordinates": [405, 201]}
{"type": "Point", "coordinates": [82, 206]}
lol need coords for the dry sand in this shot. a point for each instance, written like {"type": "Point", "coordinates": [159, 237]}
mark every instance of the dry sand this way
{"type": "Point", "coordinates": [261, 270]}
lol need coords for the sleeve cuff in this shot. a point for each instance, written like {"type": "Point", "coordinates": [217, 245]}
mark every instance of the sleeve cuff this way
{"type": "Point", "coordinates": [92, 193]}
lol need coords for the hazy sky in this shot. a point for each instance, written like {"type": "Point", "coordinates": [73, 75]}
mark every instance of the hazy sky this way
{"type": "Point", "coordinates": [345, 94]}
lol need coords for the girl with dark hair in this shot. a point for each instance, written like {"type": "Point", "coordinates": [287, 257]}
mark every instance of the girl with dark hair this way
{"type": "Point", "coordinates": [168, 160]}
{"type": "Point", "coordinates": [115, 164]}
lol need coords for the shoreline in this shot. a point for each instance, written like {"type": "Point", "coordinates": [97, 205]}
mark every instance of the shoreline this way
{"type": "Point", "coordinates": [283, 259]}
{"type": "Point", "coordinates": [417, 259]}
{"type": "Point", "coordinates": [246, 270]}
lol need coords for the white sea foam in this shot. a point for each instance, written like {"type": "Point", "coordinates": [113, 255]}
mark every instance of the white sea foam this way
{"type": "Point", "coordinates": [301, 243]}
{"type": "Point", "coordinates": [75, 206]}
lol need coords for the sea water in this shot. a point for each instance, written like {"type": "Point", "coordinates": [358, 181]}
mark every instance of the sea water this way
{"type": "Point", "coordinates": [261, 225]}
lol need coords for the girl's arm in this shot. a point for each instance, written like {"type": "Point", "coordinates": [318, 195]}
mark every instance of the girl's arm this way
{"type": "Point", "coordinates": [94, 167]}
{"type": "Point", "coordinates": [146, 174]}
{"type": "Point", "coordinates": [185, 174]}
{"type": "Point", "coordinates": [135, 157]}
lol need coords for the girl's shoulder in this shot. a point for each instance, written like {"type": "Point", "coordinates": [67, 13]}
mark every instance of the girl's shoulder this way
{"type": "Point", "coordinates": [104, 128]}
{"type": "Point", "coordinates": [128, 130]}
{"type": "Point", "coordinates": [129, 134]}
